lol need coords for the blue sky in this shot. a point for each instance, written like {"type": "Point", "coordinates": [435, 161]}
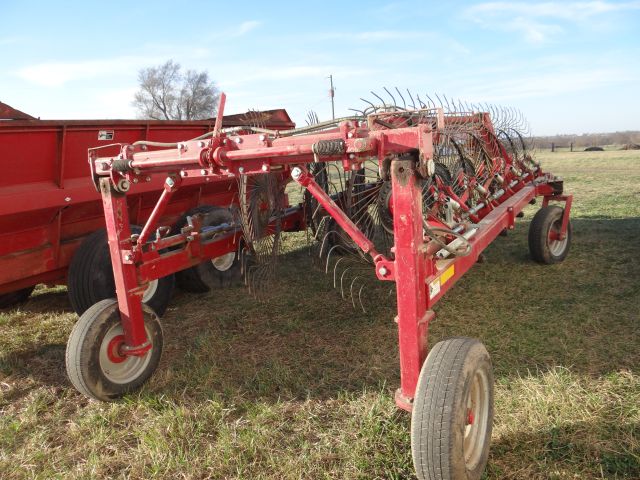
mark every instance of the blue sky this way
{"type": "Point", "coordinates": [570, 67]}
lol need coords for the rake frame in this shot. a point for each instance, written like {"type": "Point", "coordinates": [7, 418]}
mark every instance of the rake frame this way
{"type": "Point", "coordinates": [422, 276]}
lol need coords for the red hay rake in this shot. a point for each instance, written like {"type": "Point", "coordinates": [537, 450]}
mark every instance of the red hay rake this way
{"type": "Point", "coordinates": [418, 192]}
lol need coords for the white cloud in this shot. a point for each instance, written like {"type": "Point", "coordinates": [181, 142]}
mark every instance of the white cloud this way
{"type": "Point", "coordinates": [252, 73]}
{"type": "Point", "coordinates": [374, 35]}
{"type": "Point", "coordinates": [114, 103]}
{"type": "Point", "coordinates": [547, 84]}
{"type": "Point", "coordinates": [55, 74]}
{"type": "Point", "coordinates": [377, 35]}
{"type": "Point", "coordinates": [538, 22]}
{"type": "Point", "coordinates": [443, 43]}
{"type": "Point", "coordinates": [246, 27]}
{"type": "Point", "coordinates": [222, 35]}
{"type": "Point", "coordinates": [9, 41]}
{"type": "Point", "coordinates": [534, 32]}
{"type": "Point", "coordinates": [570, 11]}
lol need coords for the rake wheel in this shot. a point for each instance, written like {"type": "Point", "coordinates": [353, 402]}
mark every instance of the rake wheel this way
{"type": "Point", "coordinates": [453, 411]}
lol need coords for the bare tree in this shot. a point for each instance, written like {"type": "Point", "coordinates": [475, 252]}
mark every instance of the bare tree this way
{"type": "Point", "coordinates": [168, 94]}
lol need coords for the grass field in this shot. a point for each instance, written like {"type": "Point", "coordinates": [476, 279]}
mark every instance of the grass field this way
{"type": "Point", "coordinates": [301, 386]}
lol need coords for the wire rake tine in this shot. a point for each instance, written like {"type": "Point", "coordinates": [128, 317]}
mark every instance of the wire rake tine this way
{"type": "Point", "coordinates": [392, 97]}
{"type": "Point", "coordinates": [379, 98]}
{"type": "Point", "coordinates": [341, 282]}
{"type": "Point", "coordinates": [335, 270]}
{"type": "Point", "coordinates": [360, 298]}
{"type": "Point", "coordinates": [413, 103]}
{"type": "Point", "coordinates": [403, 101]}
{"type": "Point", "coordinates": [431, 101]}
{"type": "Point", "coordinates": [353, 298]}
{"type": "Point", "coordinates": [447, 102]}
{"type": "Point", "coordinates": [372, 105]}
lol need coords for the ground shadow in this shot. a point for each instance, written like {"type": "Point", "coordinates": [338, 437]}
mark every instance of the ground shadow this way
{"type": "Point", "coordinates": [44, 300]}
{"type": "Point", "coordinates": [305, 342]}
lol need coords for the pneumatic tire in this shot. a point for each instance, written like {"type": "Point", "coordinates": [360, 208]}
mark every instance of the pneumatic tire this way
{"type": "Point", "coordinates": [90, 277]}
{"type": "Point", "coordinates": [217, 272]}
{"type": "Point", "coordinates": [94, 362]}
{"type": "Point", "coordinates": [453, 412]}
{"type": "Point", "coordinates": [542, 247]}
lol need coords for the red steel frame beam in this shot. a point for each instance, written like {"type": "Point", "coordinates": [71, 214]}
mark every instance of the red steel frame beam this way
{"type": "Point", "coordinates": [410, 269]}
{"type": "Point", "coordinates": [124, 270]}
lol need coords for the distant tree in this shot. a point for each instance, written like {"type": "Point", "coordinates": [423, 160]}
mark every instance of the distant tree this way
{"type": "Point", "coordinates": [168, 94]}
{"type": "Point", "coordinates": [589, 139]}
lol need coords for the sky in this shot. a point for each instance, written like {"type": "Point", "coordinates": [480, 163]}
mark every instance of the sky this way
{"type": "Point", "coordinates": [569, 67]}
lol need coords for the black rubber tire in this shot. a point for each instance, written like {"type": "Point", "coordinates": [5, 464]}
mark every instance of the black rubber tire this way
{"type": "Point", "coordinates": [13, 298]}
{"type": "Point", "coordinates": [205, 276]}
{"type": "Point", "coordinates": [90, 277]}
{"type": "Point", "coordinates": [439, 416]}
{"type": "Point", "coordinates": [83, 352]}
{"type": "Point", "coordinates": [539, 246]}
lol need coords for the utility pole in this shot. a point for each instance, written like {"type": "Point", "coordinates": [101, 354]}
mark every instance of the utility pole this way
{"type": "Point", "coordinates": [332, 93]}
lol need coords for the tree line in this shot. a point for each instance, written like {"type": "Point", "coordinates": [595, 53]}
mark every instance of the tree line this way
{"type": "Point", "coordinates": [589, 139]}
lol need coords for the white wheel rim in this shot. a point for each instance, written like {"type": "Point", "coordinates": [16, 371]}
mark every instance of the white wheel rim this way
{"type": "Point", "coordinates": [127, 370]}
{"type": "Point", "coordinates": [476, 417]}
{"type": "Point", "coordinates": [224, 262]}
{"type": "Point", "coordinates": [151, 290]}
{"type": "Point", "coordinates": [556, 247]}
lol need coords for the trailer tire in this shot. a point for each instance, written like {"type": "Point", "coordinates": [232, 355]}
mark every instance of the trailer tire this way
{"type": "Point", "coordinates": [12, 298]}
{"type": "Point", "coordinates": [90, 277]}
{"type": "Point", "coordinates": [211, 274]}
{"type": "Point", "coordinates": [542, 248]}
{"type": "Point", "coordinates": [453, 412]}
{"type": "Point", "coordinates": [94, 365]}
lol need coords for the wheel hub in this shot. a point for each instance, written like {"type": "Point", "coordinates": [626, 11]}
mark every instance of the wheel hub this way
{"type": "Point", "coordinates": [556, 245]}
{"type": "Point", "coordinates": [117, 366]}
{"type": "Point", "coordinates": [476, 419]}
{"type": "Point", "coordinates": [224, 262]}
{"type": "Point", "coordinates": [470, 417]}
{"type": "Point", "coordinates": [114, 349]}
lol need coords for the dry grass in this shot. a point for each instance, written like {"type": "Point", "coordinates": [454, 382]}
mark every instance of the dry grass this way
{"type": "Point", "coordinates": [301, 386]}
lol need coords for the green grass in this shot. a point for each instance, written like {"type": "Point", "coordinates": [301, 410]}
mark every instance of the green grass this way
{"type": "Point", "coordinates": [301, 385]}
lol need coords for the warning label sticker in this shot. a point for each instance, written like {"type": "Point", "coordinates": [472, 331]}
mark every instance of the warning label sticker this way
{"type": "Point", "coordinates": [434, 288]}
{"type": "Point", "coordinates": [105, 135]}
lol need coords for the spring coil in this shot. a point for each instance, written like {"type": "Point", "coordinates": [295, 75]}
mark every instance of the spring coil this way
{"type": "Point", "coordinates": [121, 165]}
{"type": "Point", "coordinates": [328, 148]}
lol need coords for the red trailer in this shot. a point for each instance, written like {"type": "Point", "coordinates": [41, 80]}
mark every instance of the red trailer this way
{"type": "Point", "coordinates": [49, 206]}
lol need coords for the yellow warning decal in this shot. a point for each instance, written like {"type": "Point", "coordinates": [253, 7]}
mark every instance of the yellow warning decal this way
{"type": "Point", "coordinates": [448, 273]}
